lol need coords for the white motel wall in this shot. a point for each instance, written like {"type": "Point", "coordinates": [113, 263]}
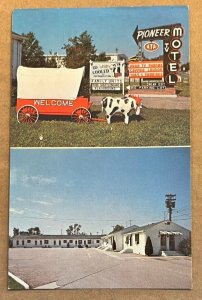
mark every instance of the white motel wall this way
{"type": "Point", "coordinates": [164, 235]}
{"type": "Point", "coordinates": [56, 241]}
{"type": "Point", "coordinates": [116, 237]}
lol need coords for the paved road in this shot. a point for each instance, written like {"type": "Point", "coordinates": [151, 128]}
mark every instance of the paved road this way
{"type": "Point", "coordinates": [157, 102]}
{"type": "Point", "coordinates": [93, 268]}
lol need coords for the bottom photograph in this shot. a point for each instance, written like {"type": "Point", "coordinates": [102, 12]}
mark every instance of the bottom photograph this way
{"type": "Point", "coordinates": [100, 218]}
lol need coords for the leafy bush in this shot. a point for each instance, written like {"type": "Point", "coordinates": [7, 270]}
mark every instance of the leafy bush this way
{"type": "Point", "coordinates": [148, 247]}
{"type": "Point", "coordinates": [185, 247]}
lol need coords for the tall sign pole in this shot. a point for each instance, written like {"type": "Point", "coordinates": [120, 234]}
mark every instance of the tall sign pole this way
{"type": "Point", "coordinates": [170, 204]}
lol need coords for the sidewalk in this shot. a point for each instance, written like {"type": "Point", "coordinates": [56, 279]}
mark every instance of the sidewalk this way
{"type": "Point", "coordinates": [157, 102]}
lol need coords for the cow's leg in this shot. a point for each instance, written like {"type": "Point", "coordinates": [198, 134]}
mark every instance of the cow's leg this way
{"type": "Point", "coordinates": [126, 118]}
{"type": "Point", "coordinates": [108, 119]}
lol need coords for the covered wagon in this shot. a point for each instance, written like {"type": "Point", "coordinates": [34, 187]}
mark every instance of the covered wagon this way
{"type": "Point", "coordinates": [50, 91]}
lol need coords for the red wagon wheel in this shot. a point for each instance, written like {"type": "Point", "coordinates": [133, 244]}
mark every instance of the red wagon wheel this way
{"type": "Point", "coordinates": [81, 115]}
{"type": "Point", "coordinates": [27, 114]}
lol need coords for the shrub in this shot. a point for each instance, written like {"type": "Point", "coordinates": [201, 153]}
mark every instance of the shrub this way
{"type": "Point", "coordinates": [148, 247]}
{"type": "Point", "coordinates": [185, 247]}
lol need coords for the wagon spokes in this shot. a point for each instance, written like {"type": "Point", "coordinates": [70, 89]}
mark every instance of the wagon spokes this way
{"type": "Point", "coordinates": [27, 114]}
{"type": "Point", "coordinates": [81, 115]}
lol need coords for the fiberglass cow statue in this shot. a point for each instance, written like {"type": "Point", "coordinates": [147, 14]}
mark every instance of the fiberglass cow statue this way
{"type": "Point", "coordinates": [121, 105]}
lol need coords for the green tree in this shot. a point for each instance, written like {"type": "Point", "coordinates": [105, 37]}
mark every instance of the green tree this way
{"type": "Point", "coordinates": [148, 247]}
{"type": "Point", "coordinates": [15, 231]}
{"type": "Point", "coordinates": [77, 228]}
{"type": "Point", "coordinates": [34, 230]}
{"type": "Point", "coordinates": [73, 229]}
{"type": "Point", "coordinates": [32, 52]}
{"type": "Point", "coordinates": [70, 229]}
{"type": "Point", "coordinates": [79, 51]}
{"type": "Point", "coordinates": [185, 247]}
{"type": "Point", "coordinates": [101, 57]}
{"type": "Point", "coordinates": [51, 62]}
{"type": "Point", "coordinates": [117, 228]}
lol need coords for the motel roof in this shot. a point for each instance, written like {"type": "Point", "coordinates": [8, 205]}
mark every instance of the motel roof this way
{"type": "Point", "coordinates": [148, 226]}
{"type": "Point", "coordinates": [58, 236]}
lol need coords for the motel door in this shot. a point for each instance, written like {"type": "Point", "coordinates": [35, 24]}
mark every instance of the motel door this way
{"type": "Point", "coordinates": [172, 243]}
{"type": "Point", "coordinates": [113, 244]}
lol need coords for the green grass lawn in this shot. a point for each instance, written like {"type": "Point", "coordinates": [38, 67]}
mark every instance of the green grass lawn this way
{"type": "Point", "coordinates": [14, 285]}
{"type": "Point", "coordinates": [154, 127]}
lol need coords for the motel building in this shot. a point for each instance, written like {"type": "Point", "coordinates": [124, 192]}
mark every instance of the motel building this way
{"type": "Point", "coordinates": [165, 237]}
{"type": "Point", "coordinates": [56, 241]}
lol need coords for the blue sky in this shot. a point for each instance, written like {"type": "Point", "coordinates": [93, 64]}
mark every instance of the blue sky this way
{"type": "Point", "coordinates": [110, 28]}
{"type": "Point", "coordinates": [97, 188]}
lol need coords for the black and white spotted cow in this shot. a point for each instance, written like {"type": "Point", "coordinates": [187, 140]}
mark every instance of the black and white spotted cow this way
{"type": "Point", "coordinates": [121, 105]}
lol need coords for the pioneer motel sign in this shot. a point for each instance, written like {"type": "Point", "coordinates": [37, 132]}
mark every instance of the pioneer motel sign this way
{"type": "Point", "coordinates": [171, 36]}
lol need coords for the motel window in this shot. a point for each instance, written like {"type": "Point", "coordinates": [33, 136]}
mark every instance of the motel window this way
{"type": "Point", "coordinates": [17, 243]}
{"type": "Point", "coordinates": [97, 241]}
{"type": "Point", "coordinates": [137, 238]}
{"type": "Point", "coordinates": [71, 241]}
{"type": "Point", "coordinates": [40, 242]}
{"type": "Point", "coordinates": [54, 243]}
{"type": "Point", "coordinates": [59, 242]}
{"type": "Point", "coordinates": [35, 242]}
{"type": "Point", "coordinates": [28, 241]}
{"type": "Point", "coordinates": [65, 241]}
{"type": "Point", "coordinates": [79, 242]}
{"type": "Point", "coordinates": [131, 240]}
{"type": "Point", "coordinates": [46, 242]}
{"type": "Point", "coordinates": [89, 242]}
{"type": "Point", "coordinates": [75, 242]}
{"type": "Point", "coordinates": [127, 239]}
{"type": "Point", "coordinates": [23, 242]}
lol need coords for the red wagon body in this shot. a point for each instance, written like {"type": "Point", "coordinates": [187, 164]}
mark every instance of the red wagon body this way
{"type": "Point", "coordinates": [35, 90]}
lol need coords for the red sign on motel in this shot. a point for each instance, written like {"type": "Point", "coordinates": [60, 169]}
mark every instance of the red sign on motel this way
{"type": "Point", "coordinates": [146, 69]}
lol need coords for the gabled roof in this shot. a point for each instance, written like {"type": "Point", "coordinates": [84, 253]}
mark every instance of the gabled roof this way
{"type": "Point", "coordinates": [122, 231]}
{"type": "Point", "coordinates": [148, 226]}
{"type": "Point", "coordinates": [128, 229]}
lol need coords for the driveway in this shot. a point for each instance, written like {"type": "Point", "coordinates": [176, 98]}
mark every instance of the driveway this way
{"type": "Point", "coordinates": [158, 102]}
{"type": "Point", "coordinates": [93, 268]}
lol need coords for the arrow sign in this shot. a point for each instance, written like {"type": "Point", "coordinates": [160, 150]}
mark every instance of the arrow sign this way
{"type": "Point", "coordinates": [154, 33]}
{"type": "Point", "coordinates": [135, 34]}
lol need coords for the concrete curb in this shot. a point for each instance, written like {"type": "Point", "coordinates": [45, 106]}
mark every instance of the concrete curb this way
{"type": "Point", "coordinates": [20, 281]}
{"type": "Point", "coordinates": [48, 286]}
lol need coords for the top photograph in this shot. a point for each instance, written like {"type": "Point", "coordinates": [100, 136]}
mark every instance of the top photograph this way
{"type": "Point", "coordinates": [100, 77]}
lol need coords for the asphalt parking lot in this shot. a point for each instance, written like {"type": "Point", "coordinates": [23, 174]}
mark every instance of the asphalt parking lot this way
{"type": "Point", "coordinates": [92, 268]}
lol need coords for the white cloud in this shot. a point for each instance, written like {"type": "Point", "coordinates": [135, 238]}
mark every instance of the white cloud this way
{"type": "Point", "coordinates": [20, 199]}
{"type": "Point", "coordinates": [20, 176]}
{"type": "Point", "coordinates": [16, 211]}
{"type": "Point", "coordinates": [41, 202]}
{"type": "Point", "coordinates": [48, 216]}
{"type": "Point", "coordinates": [39, 179]}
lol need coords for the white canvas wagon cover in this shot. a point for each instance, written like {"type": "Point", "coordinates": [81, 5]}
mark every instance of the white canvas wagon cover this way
{"type": "Point", "coordinates": [48, 83]}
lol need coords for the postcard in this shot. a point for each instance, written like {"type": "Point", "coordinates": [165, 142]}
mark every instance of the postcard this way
{"type": "Point", "coordinates": [100, 149]}
{"type": "Point", "coordinates": [101, 74]}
